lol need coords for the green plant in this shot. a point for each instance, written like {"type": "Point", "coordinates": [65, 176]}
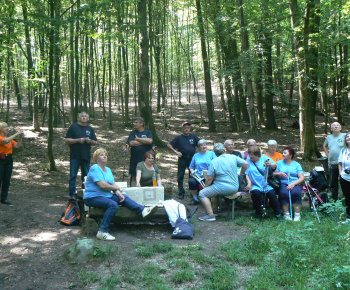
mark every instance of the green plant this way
{"type": "Point", "coordinates": [88, 277]}
{"type": "Point", "coordinates": [183, 275]}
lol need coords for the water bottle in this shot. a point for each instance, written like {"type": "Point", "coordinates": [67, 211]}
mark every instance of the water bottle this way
{"type": "Point", "coordinates": [154, 178]}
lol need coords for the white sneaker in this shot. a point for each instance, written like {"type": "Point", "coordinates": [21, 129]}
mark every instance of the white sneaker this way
{"type": "Point", "coordinates": [104, 236]}
{"type": "Point", "coordinates": [149, 210]}
{"type": "Point", "coordinates": [297, 217]}
{"type": "Point", "coordinates": [287, 217]}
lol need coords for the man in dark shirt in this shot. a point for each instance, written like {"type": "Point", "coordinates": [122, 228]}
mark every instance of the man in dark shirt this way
{"type": "Point", "coordinates": [229, 146]}
{"type": "Point", "coordinates": [140, 141]}
{"type": "Point", "coordinates": [80, 137]}
{"type": "Point", "coordinates": [184, 146]}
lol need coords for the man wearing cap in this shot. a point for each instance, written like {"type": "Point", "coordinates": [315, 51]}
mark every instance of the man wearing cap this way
{"type": "Point", "coordinates": [184, 146]}
{"type": "Point", "coordinates": [332, 146]}
{"type": "Point", "coordinates": [140, 141]}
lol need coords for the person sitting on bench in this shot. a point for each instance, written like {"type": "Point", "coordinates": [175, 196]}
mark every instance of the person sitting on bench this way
{"type": "Point", "coordinates": [147, 172]}
{"type": "Point", "coordinates": [222, 179]}
{"type": "Point", "coordinates": [102, 191]}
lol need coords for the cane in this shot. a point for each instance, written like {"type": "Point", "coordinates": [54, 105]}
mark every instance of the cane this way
{"type": "Point", "coordinates": [263, 197]}
{"type": "Point", "coordinates": [290, 198]}
{"type": "Point", "coordinates": [124, 163]}
{"type": "Point", "coordinates": [312, 201]}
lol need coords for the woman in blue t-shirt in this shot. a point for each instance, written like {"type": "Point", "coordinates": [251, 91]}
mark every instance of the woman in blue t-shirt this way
{"type": "Point", "coordinates": [292, 176]}
{"type": "Point", "coordinates": [200, 162]}
{"type": "Point", "coordinates": [102, 191]}
{"type": "Point", "coordinates": [260, 191]}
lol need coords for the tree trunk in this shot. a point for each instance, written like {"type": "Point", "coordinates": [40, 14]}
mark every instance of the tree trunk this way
{"type": "Point", "coordinates": [207, 80]}
{"type": "Point", "coordinates": [306, 58]}
{"type": "Point", "coordinates": [143, 98]}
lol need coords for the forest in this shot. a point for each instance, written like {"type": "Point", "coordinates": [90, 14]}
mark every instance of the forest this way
{"type": "Point", "coordinates": [264, 61]}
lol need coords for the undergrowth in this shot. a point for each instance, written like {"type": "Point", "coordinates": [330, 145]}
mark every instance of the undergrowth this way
{"type": "Point", "coordinates": [287, 255]}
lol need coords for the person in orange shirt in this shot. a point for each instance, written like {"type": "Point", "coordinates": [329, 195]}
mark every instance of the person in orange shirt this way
{"type": "Point", "coordinates": [6, 162]}
{"type": "Point", "coordinates": [272, 146]}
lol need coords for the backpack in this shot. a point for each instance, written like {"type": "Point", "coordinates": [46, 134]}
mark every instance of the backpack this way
{"type": "Point", "coordinates": [318, 179]}
{"type": "Point", "coordinates": [72, 213]}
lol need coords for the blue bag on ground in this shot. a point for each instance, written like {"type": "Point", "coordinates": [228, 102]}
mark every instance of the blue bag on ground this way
{"type": "Point", "coordinates": [183, 228]}
{"type": "Point", "coordinates": [72, 213]}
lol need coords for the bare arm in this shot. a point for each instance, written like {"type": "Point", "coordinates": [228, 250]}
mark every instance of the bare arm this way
{"type": "Point", "coordinates": [172, 149]}
{"type": "Point", "coordinates": [209, 180]}
{"type": "Point", "coordinates": [244, 167]}
{"type": "Point", "coordinates": [300, 180]}
{"type": "Point", "coordinates": [134, 143]}
{"type": "Point", "coordinates": [106, 186]}
{"type": "Point", "coordinates": [249, 184]}
{"type": "Point", "coordinates": [9, 139]}
{"type": "Point", "coordinates": [70, 141]}
{"type": "Point", "coordinates": [144, 141]}
{"type": "Point", "coordinates": [138, 178]}
{"type": "Point", "coordinates": [159, 180]}
{"type": "Point", "coordinates": [340, 166]}
{"type": "Point", "coordinates": [326, 150]}
{"type": "Point", "coordinates": [19, 142]}
{"type": "Point", "coordinates": [91, 142]}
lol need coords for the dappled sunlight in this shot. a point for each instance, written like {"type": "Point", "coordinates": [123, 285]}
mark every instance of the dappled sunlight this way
{"type": "Point", "coordinates": [10, 240]}
{"type": "Point", "coordinates": [56, 205]}
{"type": "Point", "coordinates": [45, 236]}
{"type": "Point", "coordinates": [20, 251]}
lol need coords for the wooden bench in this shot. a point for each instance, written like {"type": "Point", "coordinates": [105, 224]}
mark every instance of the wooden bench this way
{"type": "Point", "coordinates": [231, 198]}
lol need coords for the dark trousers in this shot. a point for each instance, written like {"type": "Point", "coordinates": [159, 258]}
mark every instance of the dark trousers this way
{"type": "Point", "coordinates": [334, 177]}
{"type": "Point", "coordinates": [258, 201]}
{"type": "Point", "coordinates": [111, 205]}
{"type": "Point", "coordinates": [6, 166]}
{"type": "Point", "coordinates": [295, 194]}
{"type": "Point", "coordinates": [345, 187]}
{"type": "Point", "coordinates": [75, 164]}
{"type": "Point", "coordinates": [183, 163]}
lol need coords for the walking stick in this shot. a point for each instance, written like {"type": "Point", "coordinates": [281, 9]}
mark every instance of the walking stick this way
{"type": "Point", "coordinates": [290, 198]}
{"type": "Point", "coordinates": [263, 197]}
{"type": "Point", "coordinates": [312, 200]}
{"type": "Point", "coordinates": [194, 174]}
{"type": "Point", "coordinates": [124, 163]}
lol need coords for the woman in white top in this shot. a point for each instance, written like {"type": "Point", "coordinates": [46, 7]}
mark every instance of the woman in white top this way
{"type": "Point", "coordinates": [344, 169]}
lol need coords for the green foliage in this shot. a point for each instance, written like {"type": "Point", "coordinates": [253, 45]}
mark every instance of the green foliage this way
{"type": "Point", "coordinates": [144, 251]}
{"type": "Point", "coordinates": [182, 276]}
{"type": "Point", "coordinates": [223, 276]}
{"type": "Point", "coordinates": [88, 277]}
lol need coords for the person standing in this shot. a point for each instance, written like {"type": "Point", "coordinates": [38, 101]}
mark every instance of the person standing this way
{"type": "Point", "coordinates": [184, 146]}
{"type": "Point", "coordinates": [140, 141]}
{"type": "Point", "coordinates": [6, 162]}
{"type": "Point", "coordinates": [332, 146]}
{"type": "Point", "coordinates": [80, 137]}
{"type": "Point", "coordinates": [344, 169]}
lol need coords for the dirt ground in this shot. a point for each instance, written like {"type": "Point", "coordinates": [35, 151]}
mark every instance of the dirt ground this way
{"type": "Point", "coordinates": [32, 242]}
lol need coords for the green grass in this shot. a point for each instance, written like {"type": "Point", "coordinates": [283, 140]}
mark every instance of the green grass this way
{"type": "Point", "coordinates": [272, 255]}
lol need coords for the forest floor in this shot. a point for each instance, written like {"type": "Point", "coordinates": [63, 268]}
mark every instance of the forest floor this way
{"type": "Point", "coordinates": [32, 242]}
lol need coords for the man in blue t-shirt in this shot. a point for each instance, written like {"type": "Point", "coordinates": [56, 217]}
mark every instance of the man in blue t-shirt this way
{"type": "Point", "coordinates": [184, 146]}
{"type": "Point", "coordinates": [140, 141]}
{"type": "Point", "coordinates": [80, 137]}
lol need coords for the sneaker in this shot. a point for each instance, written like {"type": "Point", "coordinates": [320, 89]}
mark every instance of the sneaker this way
{"type": "Point", "coordinates": [297, 217]}
{"type": "Point", "coordinates": [149, 210]}
{"type": "Point", "coordinates": [207, 218]}
{"type": "Point", "coordinates": [287, 217]}
{"type": "Point", "coordinates": [104, 236]}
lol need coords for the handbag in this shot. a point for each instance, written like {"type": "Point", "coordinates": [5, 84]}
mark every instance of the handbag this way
{"type": "Point", "coordinates": [183, 228]}
{"type": "Point", "coordinates": [242, 182]}
{"type": "Point", "coordinates": [272, 180]}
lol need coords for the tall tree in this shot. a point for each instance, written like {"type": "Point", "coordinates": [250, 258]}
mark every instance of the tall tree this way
{"type": "Point", "coordinates": [207, 80]}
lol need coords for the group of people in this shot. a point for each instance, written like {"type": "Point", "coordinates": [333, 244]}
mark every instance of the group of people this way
{"type": "Point", "coordinates": [211, 173]}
